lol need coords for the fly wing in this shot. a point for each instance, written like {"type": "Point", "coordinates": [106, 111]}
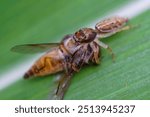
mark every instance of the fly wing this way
{"type": "Point", "coordinates": [34, 48]}
{"type": "Point", "coordinates": [63, 84]}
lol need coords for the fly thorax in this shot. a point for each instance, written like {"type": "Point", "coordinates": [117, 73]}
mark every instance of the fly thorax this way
{"type": "Point", "coordinates": [70, 45]}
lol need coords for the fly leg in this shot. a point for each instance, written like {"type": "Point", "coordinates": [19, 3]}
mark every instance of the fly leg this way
{"type": "Point", "coordinates": [66, 63]}
{"type": "Point", "coordinates": [77, 61]}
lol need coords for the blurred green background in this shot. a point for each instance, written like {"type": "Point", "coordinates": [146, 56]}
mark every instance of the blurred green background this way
{"type": "Point", "coordinates": [41, 21]}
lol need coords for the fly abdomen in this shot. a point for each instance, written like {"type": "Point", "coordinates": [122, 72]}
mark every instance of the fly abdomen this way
{"type": "Point", "coordinates": [48, 64]}
{"type": "Point", "coordinates": [28, 74]}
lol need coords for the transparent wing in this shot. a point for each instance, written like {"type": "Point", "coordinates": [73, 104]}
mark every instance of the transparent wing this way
{"type": "Point", "coordinates": [34, 48]}
{"type": "Point", "coordinates": [63, 84]}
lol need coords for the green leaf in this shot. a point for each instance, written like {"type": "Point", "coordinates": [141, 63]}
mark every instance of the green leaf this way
{"type": "Point", "coordinates": [36, 22]}
{"type": "Point", "coordinates": [128, 77]}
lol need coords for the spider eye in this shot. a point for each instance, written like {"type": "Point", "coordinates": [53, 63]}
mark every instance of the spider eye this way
{"type": "Point", "coordinates": [85, 35]}
{"type": "Point", "coordinates": [80, 35]}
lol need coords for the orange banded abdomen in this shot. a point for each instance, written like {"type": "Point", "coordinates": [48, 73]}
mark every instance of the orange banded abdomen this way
{"type": "Point", "coordinates": [49, 63]}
